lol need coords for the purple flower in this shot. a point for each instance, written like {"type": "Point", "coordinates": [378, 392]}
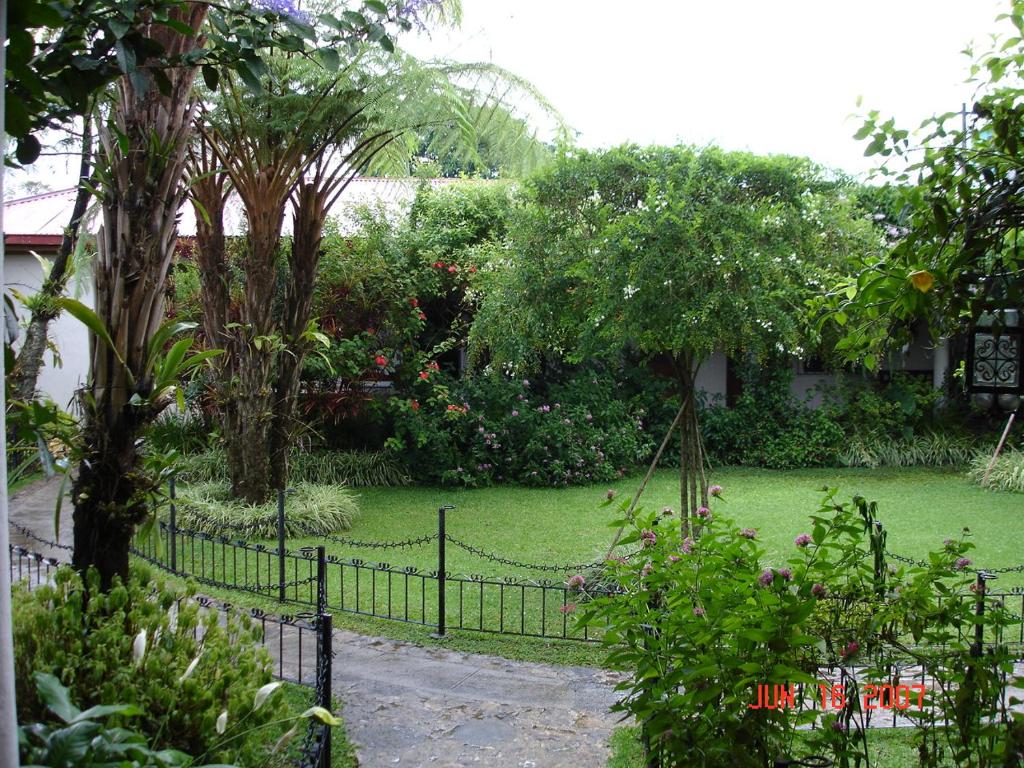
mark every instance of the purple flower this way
{"type": "Point", "coordinates": [515, 413]}
{"type": "Point", "coordinates": [648, 538]}
{"type": "Point", "coordinates": [748, 533]}
{"type": "Point", "coordinates": [786, 574]}
{"type": "Point", "coordinates": [839, 726]}
{"type": "Point", "coordinates": [850, 649]}
{"type": "Point", "coordinates": [646, 569]}
{"type": "Point", "coordinates": [703, 512]}
{"type": "Point", "coordinates": [961, 563]}
{"type": "Point", "coordinates": [576, 582]}
{"type": "Point", "coordinates": [667, 511]}
{"type": "Point", "coordinates": [481, 430]}
{"type": "Point", "coordinates": [687, 546]}
{"type": "Point", "coordinates": [715, 490]}
{"type": "Point", "coordinates": [544, 409]}
{"type": "Point", "coordinates": [766, 578]}
{"type": "Point", "coordinates": [803, 540]}
{"type": "Point", "coordinates": [590, 417]}
{"type": "Point", "coordinates": [283, 8]}
{"type": "Point", "coordinates": [819, 591]}
{"type": "Point", "coordinates": [698, 611]}
{"type": "Point", "coordinates": [526, 382]}
{"type": "Point", "coordinates": [674, 558]}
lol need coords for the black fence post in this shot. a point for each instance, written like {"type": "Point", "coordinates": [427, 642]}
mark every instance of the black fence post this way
{"type": "Point", "coordinates": [321, 579]}
{"type": "Point", "coordinates": [441, 538]}
{"type": "Point", "coordinates": [979, 611]}
{"type": "Point", "coordinates": [324, 686]}
{"type": "Point", "coordinates": [172, 526]}
{"type": "Point", "coordinates": [280, 544]}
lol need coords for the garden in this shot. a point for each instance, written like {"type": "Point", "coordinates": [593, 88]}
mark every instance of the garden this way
{"type": "Point", "coordinates": [738, 428]}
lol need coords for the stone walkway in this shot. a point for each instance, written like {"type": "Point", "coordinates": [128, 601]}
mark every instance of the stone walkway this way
{"type": "Point", "coordinates": [430, 707]}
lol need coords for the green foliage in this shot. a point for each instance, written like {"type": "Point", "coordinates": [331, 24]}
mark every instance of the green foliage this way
{"type": "Point", "coordinates": [928, 449]}
{"type": "Point", "coordinates": [80, 740]}
{"type": "Point", "coordinates": [310, 510]}
{"type": "Point", "coordinates": [355, 469]}
{"type": "Point", "coordinates": [670, 250]}
{"type": "Point", "coordinates": [481, 430]}
{"type": "Point", "coordinates": [769, 427]}
{"type": "Point", "coordinates": [700, 623]}
{"type": "Point", "coordinates": [954, 253]}
{"type": "Point", "coordinates": [135, 644]}
{"type": "Point", "coordinates": [1006, 475]}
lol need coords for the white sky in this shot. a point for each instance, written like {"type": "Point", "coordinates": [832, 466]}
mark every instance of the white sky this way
{"type": "Point", "coordinates": [771, 76]}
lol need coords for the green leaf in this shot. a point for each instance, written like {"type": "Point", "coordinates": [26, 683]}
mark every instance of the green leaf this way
{"type": "Point", "coordinates": [55, 696]}
{"type": "Point", "coordinates": [211, 76]}
{"type": "Point", "coordinates": [91, 320]}
{"type": "Point", "coordinates": [330, 58]}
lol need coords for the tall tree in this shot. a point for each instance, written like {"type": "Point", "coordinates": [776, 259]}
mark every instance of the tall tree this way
{"type": "Point", "coordinates": [302, 140]}
{"type": "Point", "coordinates": [677, 253]}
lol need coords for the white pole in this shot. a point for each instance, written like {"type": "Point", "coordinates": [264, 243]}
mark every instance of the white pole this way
{"type": "Point", "coordinates": [8, 713]}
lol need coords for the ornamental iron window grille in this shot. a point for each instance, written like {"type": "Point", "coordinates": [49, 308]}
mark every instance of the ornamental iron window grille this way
{"type": "Point", "coordinates": [995, 361]}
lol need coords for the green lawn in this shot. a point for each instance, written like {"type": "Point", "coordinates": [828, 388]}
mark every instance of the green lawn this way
{"type": "Point", "coordinates": [888, 748]}
{"type": "Point", "coordinates": [920, 508]}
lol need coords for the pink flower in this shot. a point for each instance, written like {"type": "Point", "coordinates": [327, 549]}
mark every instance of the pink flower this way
{"type": "Point", "coordinates": [803, 540]}
{"type": "Point", "coordinates": [415, 405]}
{"type": "Point", "coordinates": [766, 578]}
{"type": "Point", "coordinates": [687, 546]}
{"type": "Point", "coordinates": [380, 360]}
{"type": "Point", "coordinates": [961, 563]}
{"type": "Point", "coordinates": [646, 569]}
{"type": "Point", "coordinates": [667, 511]}
{"type": "Point", "coordinates": [610, 494]}
{"type": "Point", "coordinates": [698, 611]}
{"type": "Point", "coordinates": [703, 512]}
{"type": "Point", "coordinates": [715, 490]}
{"type": "Point", "coordinates": [424, 375]}
{"type": "Point", "coordinates": [453, 269]}
{"type": "Point", "coordinates": [576, 582]}
{"type": "Point", "coordinates": [850, 649]}
{"type": "Point", "coordinates": [748, 533]}
{"type": "Point", "coordinates": [421, 315]}
{"type": "Point", "coordinates": [785, 573]}
{"type": "Point", "coordinates": [648, 538]}
{"type": "Point", "coordinates": [819, 591]}
{"type": "Point", "coordinates": [568, 608]}
{"type": "Point", "coordinates": [674, 558]}
{"type": "Point", "coordinates": [515, 413]}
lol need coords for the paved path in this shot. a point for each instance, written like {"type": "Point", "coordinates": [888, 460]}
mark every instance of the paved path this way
{"type": "Point", "coordinates": [409, 705]}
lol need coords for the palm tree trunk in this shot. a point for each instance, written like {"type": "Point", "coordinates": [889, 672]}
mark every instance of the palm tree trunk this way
{"type": "Point", "coordinates": [143, 148]}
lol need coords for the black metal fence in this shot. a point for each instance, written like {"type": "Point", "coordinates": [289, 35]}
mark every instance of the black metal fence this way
{"type": "Point", "coordinates": [435, 598]}
{"type": "Point", "coordinates": [301, 646]}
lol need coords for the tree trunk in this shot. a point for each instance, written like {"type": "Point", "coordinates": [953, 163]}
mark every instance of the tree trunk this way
{"type": "Point", "coordinates": [307, 233]}
{"type": "Point", "coordinates": [29, 361]}
{"type": "Point", "coordinates": [143, 153]}
{"type": "Point", "coordinates": [692, 483]}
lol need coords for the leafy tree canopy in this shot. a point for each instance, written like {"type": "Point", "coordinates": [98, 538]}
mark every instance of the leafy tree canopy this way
{"type": "Point", "coordinates": [673, 250]}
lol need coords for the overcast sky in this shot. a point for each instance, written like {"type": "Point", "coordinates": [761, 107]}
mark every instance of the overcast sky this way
{"type": "Point", "coordinates": [769, 76]}
{"type": "Point", "coordinates": [779, 76]}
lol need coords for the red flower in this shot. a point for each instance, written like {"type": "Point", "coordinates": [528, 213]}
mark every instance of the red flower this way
{"type": "Point", "coordinates": [414, 404]}
{"type": "Point", "coordinates": [453, 269]}
{"type": "Point", "coordinates": [438, 265]}
{"type": "Point", "coordinates": [422, 316]}
{"type": "Point", "coordinates": [424, 375]}
{"type": "Point", "coordinates": [371, 331]}
{"type": "Point", "coordinates": [433, 366]}
{"type": "Point", "coordinates": [414, 302]}
{"type": "Point", "coordinates": [380, 360]}
{"type": "Point", "coordinates": [472, 270]}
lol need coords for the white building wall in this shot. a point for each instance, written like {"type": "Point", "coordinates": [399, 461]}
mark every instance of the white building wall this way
{"type": "Point", "coordinates": [57, 379]}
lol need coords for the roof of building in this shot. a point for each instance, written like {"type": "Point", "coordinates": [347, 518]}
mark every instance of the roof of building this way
{"type": "Point", "coordinates": [39, 220]}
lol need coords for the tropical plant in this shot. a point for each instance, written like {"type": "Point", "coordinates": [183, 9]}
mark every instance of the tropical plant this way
{"type": "Point", "coordinates": [310, 510]}
{"type": "Point", "coordinates": [304, 138]}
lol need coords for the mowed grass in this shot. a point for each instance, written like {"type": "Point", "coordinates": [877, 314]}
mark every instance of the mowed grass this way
{"type": "Point", "coordinates": [920, 508]}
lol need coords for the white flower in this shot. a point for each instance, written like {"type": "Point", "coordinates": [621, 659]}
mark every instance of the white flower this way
{"type": "Point", "coordinates": [629, 291]}
{"type": "Point", "coordinates": [139, 648]}
{"type": "Point", "coordinates": [222, 722]}
{"type": "Point", "coordinates": [190, 668]}
{"type": "Point", "coordinates": [263, 693]}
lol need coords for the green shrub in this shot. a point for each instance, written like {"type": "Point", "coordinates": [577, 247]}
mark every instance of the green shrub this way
{"type": "Point", "coordinates": [481, 430]}
{"type": "Point", "coordinates": [1007, 474]}
{"type": "Point", "coordinates": [699, 623]}
{"type": "Point", "coordinates": [133, 645]}
{"type": "Point", "coordinates": [310, 510]}
{"type": "Point", "coordinates": [357, 469]}
{"type": "Point", "coordinates": [925, 450]}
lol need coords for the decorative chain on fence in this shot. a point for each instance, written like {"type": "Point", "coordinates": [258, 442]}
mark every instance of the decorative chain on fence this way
{"type": "Point", "coordinates": [28, 533]}
{"type": "Point", "coordinates": [566, 568]}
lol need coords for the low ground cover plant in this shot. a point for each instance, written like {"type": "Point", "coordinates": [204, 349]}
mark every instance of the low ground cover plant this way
{"type": "Point", "coordinates": [1006, 474]}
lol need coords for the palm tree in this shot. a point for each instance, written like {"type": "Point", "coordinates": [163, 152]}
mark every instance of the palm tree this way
{"type": "Point", "coordinates": [302, 139]}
